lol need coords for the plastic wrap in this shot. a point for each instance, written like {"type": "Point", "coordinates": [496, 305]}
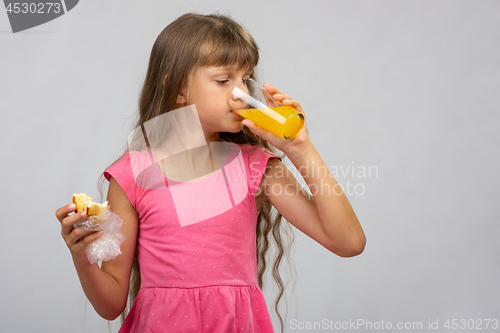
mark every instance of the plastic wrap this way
{"type": "Point", "coordinates": [107, 246]}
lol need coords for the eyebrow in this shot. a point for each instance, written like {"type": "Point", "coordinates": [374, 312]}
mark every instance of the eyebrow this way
{"type": "Point", "coordinates": [230, 69]}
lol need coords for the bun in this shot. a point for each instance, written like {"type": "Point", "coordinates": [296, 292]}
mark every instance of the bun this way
{"type": "Point", "coordinates": [96, 208]}
{"type": "Point", "coordinates": [85, 203]}
{"type": "Point", "coordinates": [81, 201]}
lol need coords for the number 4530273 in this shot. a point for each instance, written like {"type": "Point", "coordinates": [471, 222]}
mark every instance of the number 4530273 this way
{"type": "Point", "coordinates": [471, 324]}
{"type": "Point", "coordinates": [33, 8]}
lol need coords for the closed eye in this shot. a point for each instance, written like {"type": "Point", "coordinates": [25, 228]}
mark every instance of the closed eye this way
{"type": "Point", "coordinates": [222, 81]}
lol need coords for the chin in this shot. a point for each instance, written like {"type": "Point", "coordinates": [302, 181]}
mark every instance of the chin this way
{"type": "Point", "coordinates": [236, 129]}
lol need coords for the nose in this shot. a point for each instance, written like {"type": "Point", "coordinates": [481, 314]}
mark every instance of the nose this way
{"type": "Point", "coordinates": [236, 102]}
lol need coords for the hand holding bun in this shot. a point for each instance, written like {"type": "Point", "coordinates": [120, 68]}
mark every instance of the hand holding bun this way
{"type": "Point", "coordinates": [99, 234]}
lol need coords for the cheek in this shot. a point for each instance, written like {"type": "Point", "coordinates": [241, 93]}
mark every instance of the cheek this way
{"type": "Point", "coordinates": [197, 96]}
{"type": "Point", "coordinates": [207, 99]}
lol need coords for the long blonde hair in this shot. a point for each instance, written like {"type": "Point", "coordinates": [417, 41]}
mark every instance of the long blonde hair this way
{"type": "Point", "coordinates": [190, 42]}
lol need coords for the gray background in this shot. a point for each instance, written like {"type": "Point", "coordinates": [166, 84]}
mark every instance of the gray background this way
{"type": "Point", "coordinates": [409, 87]}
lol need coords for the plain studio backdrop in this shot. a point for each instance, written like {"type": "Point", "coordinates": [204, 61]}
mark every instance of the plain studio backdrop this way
{"type": "Point", "coordinates": [402, 101]}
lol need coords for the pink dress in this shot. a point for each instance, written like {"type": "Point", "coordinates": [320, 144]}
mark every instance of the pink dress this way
{"type": "Point", "coordinates": [196, 245]}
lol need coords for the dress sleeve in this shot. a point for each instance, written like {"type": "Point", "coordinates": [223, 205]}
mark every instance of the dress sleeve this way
{"type": "Point", "coordinates": [121, 171]}
{"type": "Point", "coordinates": [257, 162]}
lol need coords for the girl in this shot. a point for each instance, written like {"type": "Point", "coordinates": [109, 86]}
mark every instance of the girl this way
{"type": "Point", "coordinates": [202, 274]}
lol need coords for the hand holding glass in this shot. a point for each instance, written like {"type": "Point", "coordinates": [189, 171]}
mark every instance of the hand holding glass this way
{"type": "Point", "coordinates": [283, 121]}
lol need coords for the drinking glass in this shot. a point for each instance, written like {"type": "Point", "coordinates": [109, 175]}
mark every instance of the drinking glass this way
{"type": "Point", "coordinates": [283, 121]}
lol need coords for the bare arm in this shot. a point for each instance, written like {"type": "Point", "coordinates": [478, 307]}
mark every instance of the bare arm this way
{"type": "Point", "coordinates": [326, 216]}
{"type": "Point", "coordinates": [105, 287]}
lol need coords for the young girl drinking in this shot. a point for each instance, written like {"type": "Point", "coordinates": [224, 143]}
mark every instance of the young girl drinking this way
{"type": "Point", "coordinates": [194, 256]}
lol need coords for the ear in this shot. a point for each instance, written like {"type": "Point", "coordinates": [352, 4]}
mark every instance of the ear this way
{"type": "Point", "coordinates": [181, 99]}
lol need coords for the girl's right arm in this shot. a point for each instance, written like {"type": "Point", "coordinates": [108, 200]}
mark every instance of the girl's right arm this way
{"type": "Point", "coordinates": [107, 286]}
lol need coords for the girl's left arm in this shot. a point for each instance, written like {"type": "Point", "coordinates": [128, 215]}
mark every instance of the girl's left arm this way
{"type": "Point", "coordinates": [326, 216]}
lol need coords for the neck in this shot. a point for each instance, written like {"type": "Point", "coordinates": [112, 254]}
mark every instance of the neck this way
{"type": "Point", "coordinates": [212, 137]}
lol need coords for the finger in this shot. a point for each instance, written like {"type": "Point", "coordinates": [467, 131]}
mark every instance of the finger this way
{"type": "Point", "coordinates": [254, 128]}
{"type": "Point", "coordinates": [76, 235]}
{"type": "Point", "coordinates": [271, 89]}
{"type": "Point", "coordinates": [68, 222]}
{"type": "Point", "coordinates": [266, 135]}
{"type": "Point", "coordinates": [281, 97]}
{"type": "Point", "coordinates": [87, 240]}
{"type": "Point", "coordinates": [284, 99]}
{"type": "Point", "coordinates": [64, 211]}
{"type": "Point", "coordinates": [72, 237]}
{"type": "Point", "coordinates": [293, 103]}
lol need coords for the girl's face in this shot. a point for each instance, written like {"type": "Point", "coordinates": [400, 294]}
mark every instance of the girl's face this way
{"type": "Point", "coordinates": [210, 90]}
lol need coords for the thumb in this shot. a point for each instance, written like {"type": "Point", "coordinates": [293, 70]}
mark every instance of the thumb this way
{"type": "Point", "coordinates": [248, 123]}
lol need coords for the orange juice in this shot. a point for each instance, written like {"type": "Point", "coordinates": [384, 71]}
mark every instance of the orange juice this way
{"type": "Point", "coordinates": [282, 121]}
